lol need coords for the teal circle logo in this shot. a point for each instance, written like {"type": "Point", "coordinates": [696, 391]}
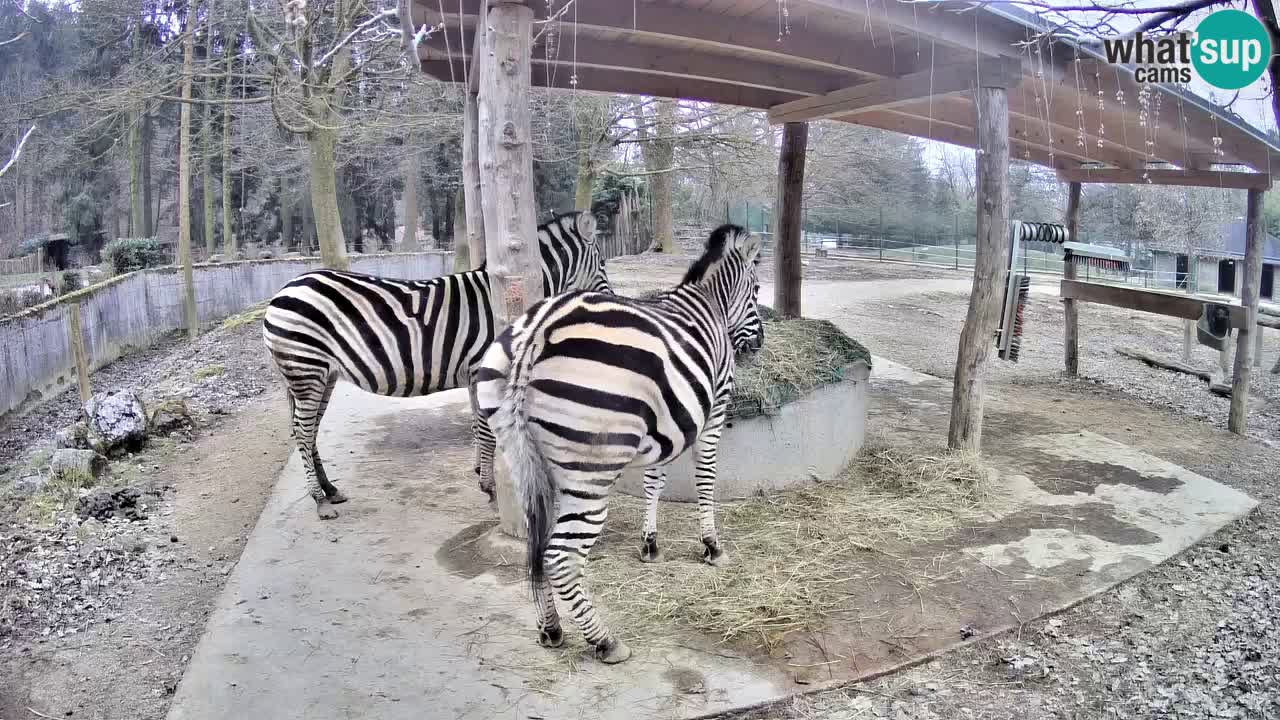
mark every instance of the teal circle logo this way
{"type": "Point", "coordinates": [1232, 49]}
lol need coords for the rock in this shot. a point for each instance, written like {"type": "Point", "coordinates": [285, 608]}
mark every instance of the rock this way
{"type": "Point", "coordinates": [170, 416]}
{"type": "Point", "coordinates": [31, 484]}
{"type": "Point", "coordinates": [81, 467]}
{"type": "Point", "coordinates": [78, 436]}
{"type": "Point", "coordinates": [119, 419]}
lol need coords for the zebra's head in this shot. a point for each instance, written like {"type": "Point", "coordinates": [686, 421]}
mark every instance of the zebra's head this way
{"type": "Point", "coordinates": [571, 259]}
{"type": "Point", "coordinates": [728, 269]}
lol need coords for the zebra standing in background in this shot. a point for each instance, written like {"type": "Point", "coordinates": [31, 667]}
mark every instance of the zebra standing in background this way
{"type": "Point", "coordinates": [403, 338]}
{"type": "Point", "coordinates": [585, 385]}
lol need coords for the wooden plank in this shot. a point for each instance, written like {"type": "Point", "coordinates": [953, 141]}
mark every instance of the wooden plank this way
{"type": "Point", "coordinates": [786, 292]}
{"type": "Point", "coordinates": [586, 51]}
{"type": "Point", "coordinates": [990, 263]}
{"type": "Point", "coordinates": [697, 30]}
{"type": "Point", "coordinates": [79, 355]}
{"type": "Point", "coordinates": [1255, 237]}
{"type": "Point", "coordinates": [1215, 386]}
{"type": "Point", "coordinates": [893, 92]}
{"type": "Point", "coordinates": [506, 184]}
{"type": "Point", "coordinates": [1161, 176]}
{"type": "Point", "coordinates": [472, 198]}
{"type": "Point", "coordinates": [1071, 327]}
{"type": "Point", "coordinates": [1145, 300]}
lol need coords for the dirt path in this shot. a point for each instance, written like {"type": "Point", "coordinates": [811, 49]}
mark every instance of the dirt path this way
{"type": "Point", "coordinates": [126, 666]}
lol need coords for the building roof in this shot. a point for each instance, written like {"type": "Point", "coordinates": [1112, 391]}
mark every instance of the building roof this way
{"type": "Point", "coordinates": [1233, 244]}
{"type": "Point", "coordinates": [906, 67]}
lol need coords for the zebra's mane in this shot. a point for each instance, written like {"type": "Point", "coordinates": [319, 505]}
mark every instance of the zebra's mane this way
{"type": "Point", "coordinates": [717, 247]}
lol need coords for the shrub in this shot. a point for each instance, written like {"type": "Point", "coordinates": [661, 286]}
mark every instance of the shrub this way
{"type": "Point", "coordinates": [71, 282]}
{"type": "Point", "coordinates": [129, 254]}
{"type": "Point", "coordinates": [13, 302]}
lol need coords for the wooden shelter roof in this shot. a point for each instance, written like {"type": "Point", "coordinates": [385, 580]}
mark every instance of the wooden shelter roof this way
{"type": "Point", "coordinates": [905, 67]}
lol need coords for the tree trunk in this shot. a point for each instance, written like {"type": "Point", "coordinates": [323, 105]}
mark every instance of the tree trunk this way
{"type": "Point", "coordinates": [1251, 284]}
{"type": "Point", "coordinates": [286, 216]}
{"type": "Point", "coordinates": [322, 143]}
{"type": "Point", "coordinates": [586, 179]}
{"type": "Point", "coordinates": [228, 230]}
{"type": "Point", "coordinates": [472, 205]}
{"type": "Point", "coordinates": [184, 178]}
{"type": "Point", "coordinates": [1071, 332]}
{"type": "Point", "coordinates": [137, 198]}
{"type": "Point", "coordinates": [409, 243]}
{"type": "Point", "coordinates": [992, 258]}
{"type": "Point", "coordinates": [506, 179]}
{"type": "Point", "coordinates": [206, 177]}
{"type": "Point", "coordinates": [786, 292]}
{"type": "Point", "coordinates": [659, 155]}
{"type": "Point", "coordinates": [461, 250]}
{"type": "Point", "coordinates": [447, 240]}
{"type": "Point", "coordinates": [151, 219]}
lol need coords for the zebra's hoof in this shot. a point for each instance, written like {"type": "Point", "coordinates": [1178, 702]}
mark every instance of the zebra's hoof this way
{"type": "Point", "coordinates": [613, 652]}
{"type": "Point", "coordinates": [325, 510]}
{"type": "Point", "coordinates": [650, 552]}
{"type": "Point", "coordinates": [713, 555]}
{"type": "Point", "coordinates": [551, 637]}
{"type": "Point", "coordinates": [337, 497]}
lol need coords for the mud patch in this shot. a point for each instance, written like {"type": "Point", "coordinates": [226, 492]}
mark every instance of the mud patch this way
{"type": "Point", "coordinates": [1067, 477]}
{"type": "Point", "coordinates": [686, 681]}
{"type": "Point", "coordinates": [460, 555]}
{"type": "Point", "coordinates": [1095, 519]}
{"type": "Point", "coordinates": [427, 429]}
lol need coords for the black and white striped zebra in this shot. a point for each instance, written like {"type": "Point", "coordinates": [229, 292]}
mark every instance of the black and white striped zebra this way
{"type": "Point", "coordinates": [403, 338]}
{"type": "Point", "coordinates": [585, 385]}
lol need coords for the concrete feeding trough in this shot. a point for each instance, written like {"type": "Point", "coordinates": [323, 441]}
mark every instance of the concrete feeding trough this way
{"type": "Point", "coordinates": [798, 416]}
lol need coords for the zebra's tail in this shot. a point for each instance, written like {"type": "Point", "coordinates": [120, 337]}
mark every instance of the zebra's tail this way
{"type": "Point", "coordinates": [534, 486]}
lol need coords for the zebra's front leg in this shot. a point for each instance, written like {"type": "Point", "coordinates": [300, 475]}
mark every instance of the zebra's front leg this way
{"type": "Point", "coordinates": [655, 479]}
{"type": "Point", "coordinates": [705, 480]}
{"type": "Point", "coordinates": [482, 437]}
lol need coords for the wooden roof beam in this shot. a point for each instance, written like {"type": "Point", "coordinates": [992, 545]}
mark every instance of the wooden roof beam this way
{"type": "Point", "coordinates": [703, 30]}
{"type": "Point", "coordinates": [957, 27]}
{"type": "Point", "coordinates": [1165, 176]}
{"type": "Point", "coordinates": [894, 92]}
{"type": "Point", "coordinates": [959, 133]}
{"type": "Point", "coordinates": [635, 57]}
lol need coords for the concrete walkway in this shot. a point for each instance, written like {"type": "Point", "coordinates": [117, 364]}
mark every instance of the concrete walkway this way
{"type": "Point", "coordinates": [384, 613]}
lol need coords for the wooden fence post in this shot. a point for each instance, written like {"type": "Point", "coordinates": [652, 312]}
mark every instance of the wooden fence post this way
{"type": "Point", "coordinates": [506, 184]}
{"type": "Point", "coordinates": [1251, 285]}
{"type": "Point", "coordinates": [788, 268]}
{"type": "Point", "coordinates": [78, 353]}
{"type": "Point", "coordinates": [1071, 336]}
{"type": "Point", "coordinates": [471, 193]}
{"type": "Point", "coordinates": [990, 261]}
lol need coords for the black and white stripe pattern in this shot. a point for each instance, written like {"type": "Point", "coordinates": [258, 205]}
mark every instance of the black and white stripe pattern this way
{"type": "Point", "coordinates": [403, 338]}
{"type": "Point", "coordinates": [585, 385]}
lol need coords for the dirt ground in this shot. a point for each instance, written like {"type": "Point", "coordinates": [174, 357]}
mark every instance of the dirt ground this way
{"type": "Point", "coordinates": [1193, 638]}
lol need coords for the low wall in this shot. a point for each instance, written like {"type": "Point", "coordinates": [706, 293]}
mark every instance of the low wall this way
{"type": "Point", "coordinates": [136, 309]}
{"type": "Point", "coordinates": [811, 439]}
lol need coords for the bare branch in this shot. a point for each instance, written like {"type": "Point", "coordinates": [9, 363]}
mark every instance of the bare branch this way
{"type": "Point", "coordinates": [17, 151]}
{"type": "Point", "coordinates": [20, 36]}
{"type": "Point", "coordinates": [384, 15]}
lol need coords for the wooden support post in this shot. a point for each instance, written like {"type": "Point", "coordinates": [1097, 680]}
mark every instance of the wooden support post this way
{"type": "Point", "coordinates": [471, 195]}
{"type": "Point", "coordinates": [506, 184]}
{"type": "Point", "coordinates": [75, 334]}
{"type": "Point", "coordinates": [990, 261]}
{"type": "Point", "coordinates": [1071, 336]}
{"type": "Point", "coordinates": [1257, 346]}
{"type": "Point", "coordinates": [786, 293]}
{"type": "Point", "coordinates": [1251, 285]}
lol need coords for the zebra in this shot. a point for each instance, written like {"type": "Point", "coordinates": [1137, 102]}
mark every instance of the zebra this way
{"type": "Point", "coordinates": [403, 338]}
{"type": "Point", "coordinates": [585, 385]}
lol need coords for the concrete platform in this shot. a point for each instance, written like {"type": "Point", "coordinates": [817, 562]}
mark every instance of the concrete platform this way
{"type": "Point", "coordinates": [385, 613]}
{"type": "Point", "coordinates": [813, 438]}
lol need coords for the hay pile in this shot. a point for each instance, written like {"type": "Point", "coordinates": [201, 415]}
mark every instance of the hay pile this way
{"type": "Point", "coordinates": [796, 557]}
{"type": "Point", "coordinates": [798, 356]}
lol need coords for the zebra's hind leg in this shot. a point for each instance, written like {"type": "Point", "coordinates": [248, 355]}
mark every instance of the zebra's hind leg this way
{"type": "Point", "coordinates": [330, 490]}
{"type": "Point", "coordinates": [307, 397]}
{"type": "Point", "coordinates": [655, 480]}
{"type": "Point", "coordinates": [485, 446]}
{"type": "Point", "coordinates": [582, 515]}
{"type": "Point", "coordinates": [550, 633]}
{"type": "Point", "coordinates": [705, 480]}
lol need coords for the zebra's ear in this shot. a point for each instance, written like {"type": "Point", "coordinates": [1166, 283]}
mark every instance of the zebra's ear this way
{"type": "Point", "coordinates": [749, 243]}
{"type": "Point", "coordinates": [587, 225]}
